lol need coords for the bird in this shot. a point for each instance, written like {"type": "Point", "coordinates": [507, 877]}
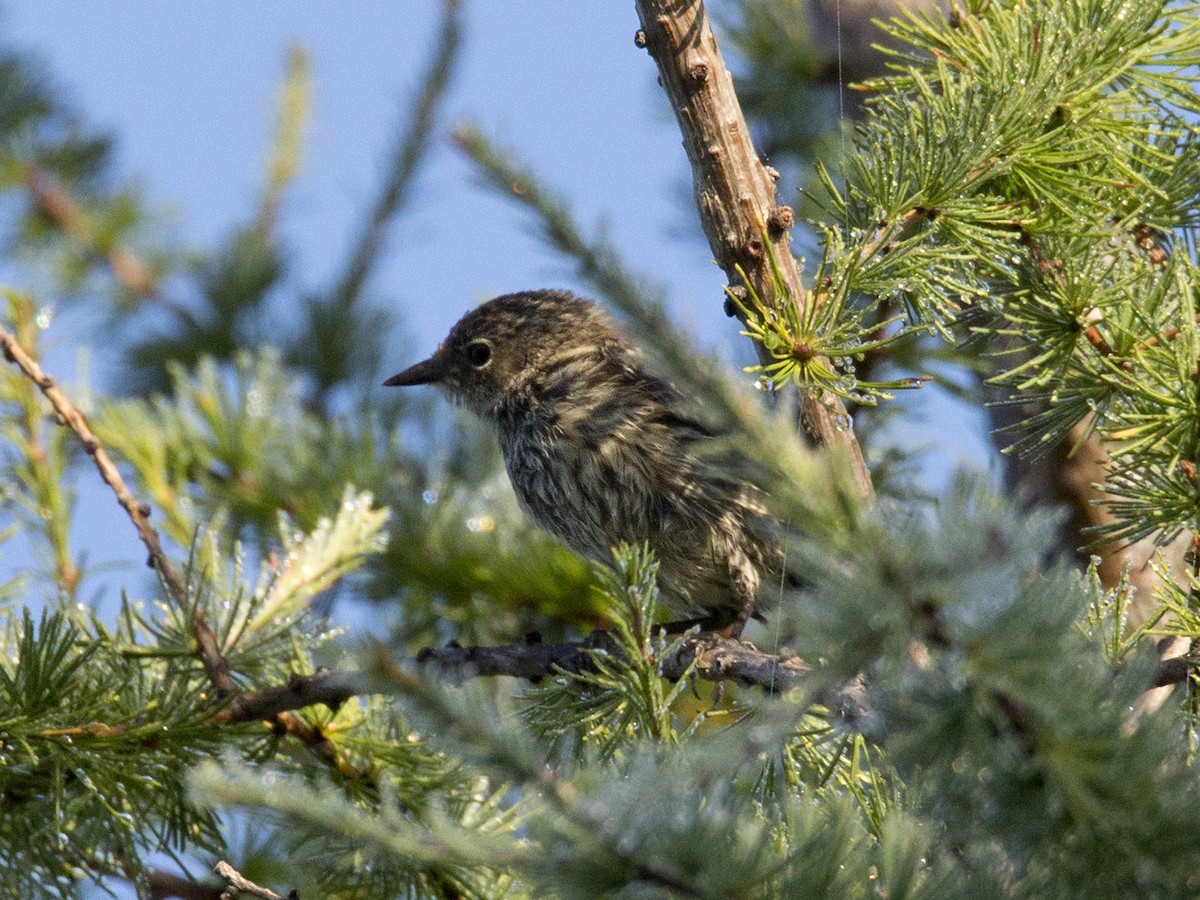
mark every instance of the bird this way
{"type": "Point", "coordinates": [600, 450]}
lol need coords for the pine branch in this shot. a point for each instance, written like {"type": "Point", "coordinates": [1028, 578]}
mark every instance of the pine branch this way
{"type": "Point", "coordinates": [54, 200]}
{"type": "Point", "coordinates": [207, 649]}
{"type": "Point", "coordinates": [735, 192]}
{"type": "Point", "coordinates": [207, 646]}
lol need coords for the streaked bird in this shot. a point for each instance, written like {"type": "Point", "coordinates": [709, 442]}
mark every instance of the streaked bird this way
{"type": "Point", "coordinates": [600, 451]}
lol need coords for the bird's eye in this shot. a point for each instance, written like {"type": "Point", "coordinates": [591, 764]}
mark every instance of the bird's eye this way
{"type": "Point", "coordinates": [479, 353]}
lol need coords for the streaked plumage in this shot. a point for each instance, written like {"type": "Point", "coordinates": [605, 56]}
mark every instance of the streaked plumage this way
{"type": "Point", "coordinates": [599, 451]}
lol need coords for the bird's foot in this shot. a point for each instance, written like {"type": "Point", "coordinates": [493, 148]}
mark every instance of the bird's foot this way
{"type": "Point", "coordinates": [710, 624]}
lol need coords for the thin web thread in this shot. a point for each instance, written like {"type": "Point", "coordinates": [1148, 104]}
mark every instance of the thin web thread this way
{"type": "Point", "coordinates": [778, 618]}
{"type": "Point", "coordinates": [841, 92]}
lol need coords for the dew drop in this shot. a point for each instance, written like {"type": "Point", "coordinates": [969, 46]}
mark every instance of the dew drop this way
{"type": "Point", "coordinates": [256, 405]}
{"type": "Point", "coordinates": [481, 524]}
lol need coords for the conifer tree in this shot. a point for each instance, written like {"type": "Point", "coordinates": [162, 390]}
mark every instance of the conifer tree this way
{"type": "Point", "coordinates": [951, 706]}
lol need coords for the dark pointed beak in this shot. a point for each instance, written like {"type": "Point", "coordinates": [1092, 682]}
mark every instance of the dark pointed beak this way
{"type": "Point", "coordinates": [425, 372]}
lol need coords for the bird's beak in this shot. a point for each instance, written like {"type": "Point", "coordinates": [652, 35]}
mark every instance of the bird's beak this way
{"type": "Point", "coordinates": [426, 372]}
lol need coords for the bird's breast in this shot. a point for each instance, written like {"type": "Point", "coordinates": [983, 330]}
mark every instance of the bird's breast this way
{"type": "Point", "coordinates": [580, 476]}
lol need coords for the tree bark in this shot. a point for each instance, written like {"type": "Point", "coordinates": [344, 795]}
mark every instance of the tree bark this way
{"type": "Point", "coordinates": [734, 191]}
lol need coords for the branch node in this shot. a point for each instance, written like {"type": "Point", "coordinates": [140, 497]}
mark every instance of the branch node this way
{"type": "Point", "coordinates": [780, 220]}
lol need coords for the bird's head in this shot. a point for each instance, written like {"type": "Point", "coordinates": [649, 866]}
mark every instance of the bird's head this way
{"type": "Point", "coordinates": [494, 347]}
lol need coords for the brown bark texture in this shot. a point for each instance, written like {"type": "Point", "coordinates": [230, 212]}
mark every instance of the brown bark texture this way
{"type": "Point", "coordinates": [734, 191]}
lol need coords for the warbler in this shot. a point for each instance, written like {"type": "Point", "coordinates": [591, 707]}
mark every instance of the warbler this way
{"type": "Point", "coordinates": [600, 451]}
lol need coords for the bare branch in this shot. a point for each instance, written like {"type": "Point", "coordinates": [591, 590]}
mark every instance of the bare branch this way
{"type": "Point", "coordinates": [734, 191]}
{"type": "Point", "coordinates": [714, 658]}
{"type": "Point", "coordinates": [239, 884]}
{"type": "Point", "coordinates": [327, 686]}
